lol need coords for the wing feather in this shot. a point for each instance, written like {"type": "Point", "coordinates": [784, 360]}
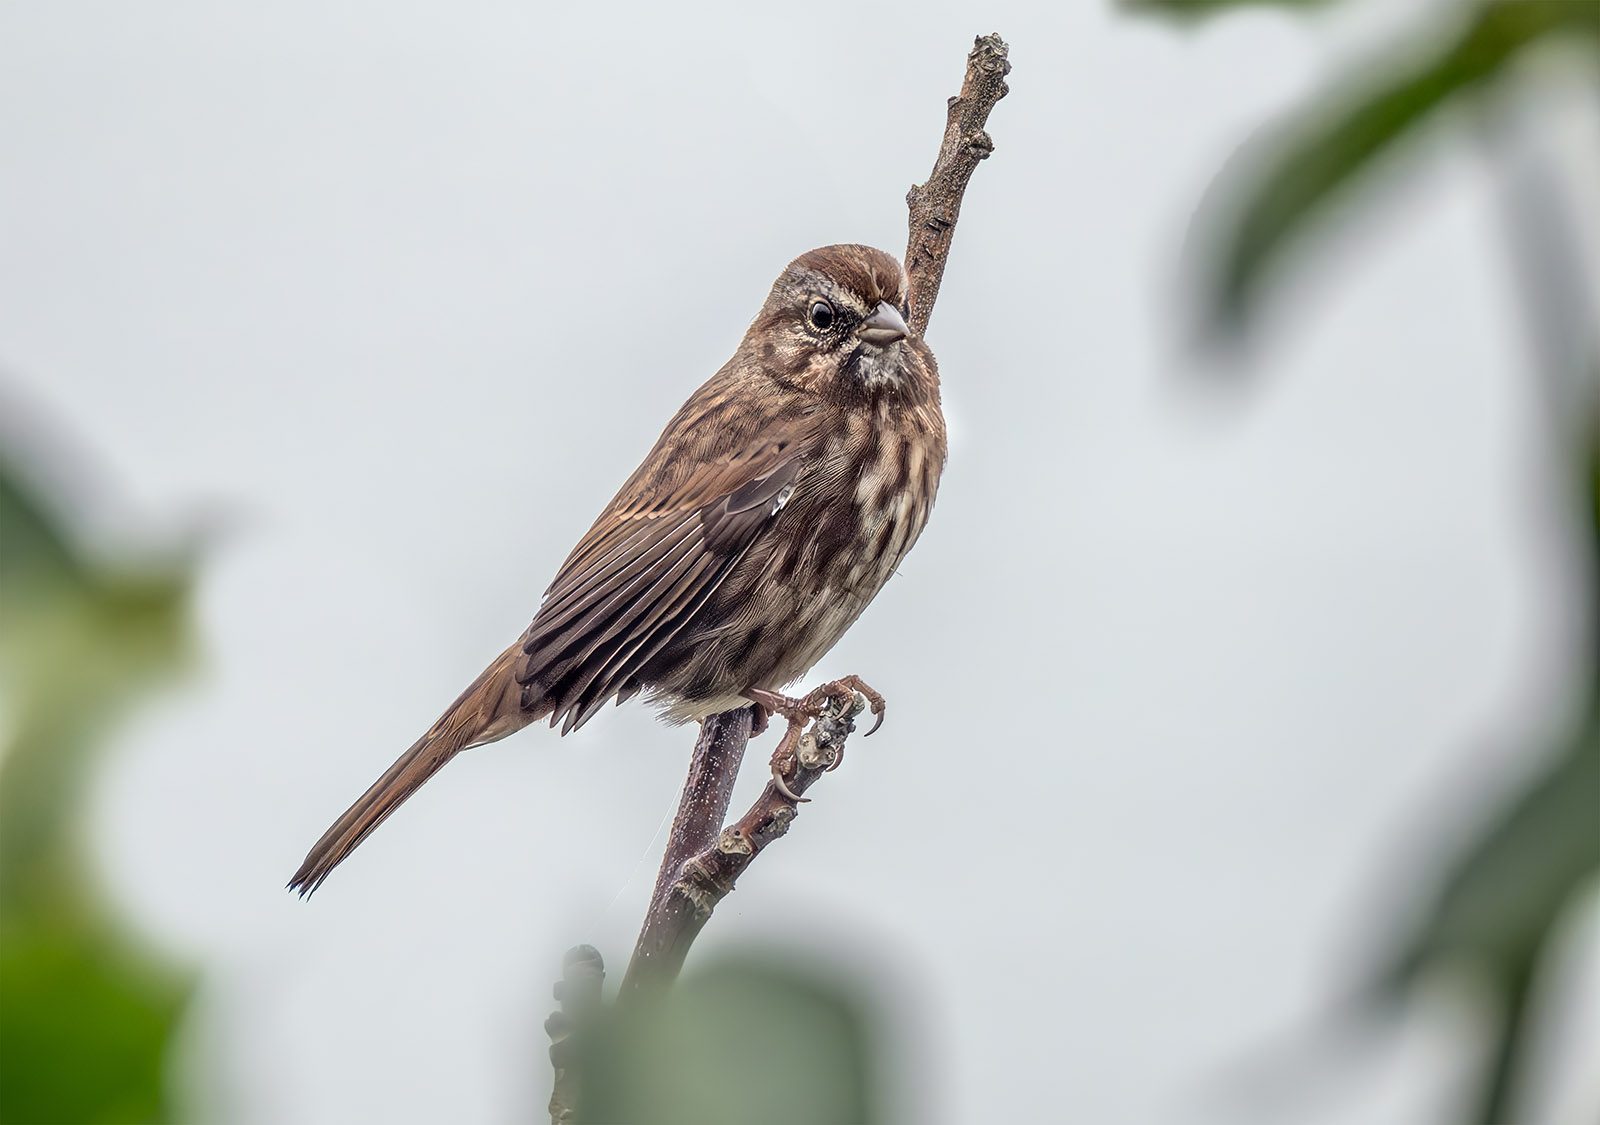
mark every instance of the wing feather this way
{"type": "Point", "coordinates": [654, 559]}
{"type": "Point", "coordinates": [688, 594]}
{"type": "Point", "coordinates": [595, 635]}
{"type": "Point", "coordinates": [679, 592]}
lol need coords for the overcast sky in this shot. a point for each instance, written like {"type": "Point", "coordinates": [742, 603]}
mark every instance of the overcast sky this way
{"type": "Point", "coordinates": [1187, 689]}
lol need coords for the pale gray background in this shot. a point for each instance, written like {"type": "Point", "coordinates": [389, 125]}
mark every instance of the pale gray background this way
{"type": "Point", "coordinates": [1186, 688]}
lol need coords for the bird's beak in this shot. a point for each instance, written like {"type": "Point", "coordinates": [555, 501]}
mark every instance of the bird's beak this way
{"type": "Point", "coordinates": [884, 326]}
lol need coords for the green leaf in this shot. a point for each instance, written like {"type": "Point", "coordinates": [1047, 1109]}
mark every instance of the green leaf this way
{"type": "Point", "coordinates": [741, 1041]}
{"type": "Point", "coordinates": [1183, 8]}
{"type": "Point", "coordinates": [87, 1013]}
{"type": "Point", "coordinates": [1502, 900]}
{"type": "Point", "coordinates": [85, 1026]}
{"type": "Point", "coordinates": [1318, 157]}
{"type": "Point", "coordinates": [1503, 896]}
{"type": "Point", "coordinates": [81, 639]}
{"type": "Point", "coordinates": [31, 545]}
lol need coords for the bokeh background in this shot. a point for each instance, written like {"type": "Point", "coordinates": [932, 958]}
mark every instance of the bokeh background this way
{"type": "Point", "coordinates": [1240, 762]}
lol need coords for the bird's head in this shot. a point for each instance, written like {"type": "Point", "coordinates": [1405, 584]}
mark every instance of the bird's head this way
{"type": "Point", "coordinates": [836, 318]}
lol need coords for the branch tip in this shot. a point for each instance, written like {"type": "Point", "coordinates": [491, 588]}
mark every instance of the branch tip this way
{"type": "Point", "coordinates": [935, 205]}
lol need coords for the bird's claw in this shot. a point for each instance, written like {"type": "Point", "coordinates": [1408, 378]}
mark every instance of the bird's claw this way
{"type": "Point", "coordinates": [782, 786]}
{"type": "Point", "coordinates": [875, 701]}
{"type": "Point", "coordinates": [877, 720]}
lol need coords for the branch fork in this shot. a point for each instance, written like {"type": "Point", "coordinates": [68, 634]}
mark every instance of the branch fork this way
{"type": "Point", "coordinates": [705, 857]}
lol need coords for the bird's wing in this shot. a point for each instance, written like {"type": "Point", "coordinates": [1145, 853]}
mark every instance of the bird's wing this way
{"type": "Point", "coordinates": [714, 481]}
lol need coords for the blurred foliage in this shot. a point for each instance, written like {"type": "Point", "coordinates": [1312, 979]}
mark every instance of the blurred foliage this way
{"type": "Point", "coordinates": [1499, 902]}
{"type": "Point", "coordinates": [742, 1040]}
{"type": "Point", "coordinates": [1207, 7]}
{"type": "Point", "coordinates": [1332, 146]}
{"type": "Point", "coordinates": [86, 1013]}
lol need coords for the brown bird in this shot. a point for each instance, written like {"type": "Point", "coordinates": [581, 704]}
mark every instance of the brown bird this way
{"type": "Point", "coordinates": [776, 504]}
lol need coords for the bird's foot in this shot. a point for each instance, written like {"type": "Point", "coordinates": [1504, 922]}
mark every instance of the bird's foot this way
{"type": "Point", "coordinates": [798, 712]}
{"type": "Point", "coordinates": [807, 707]}
{"type": "Point", "coordinates": [875, 702]}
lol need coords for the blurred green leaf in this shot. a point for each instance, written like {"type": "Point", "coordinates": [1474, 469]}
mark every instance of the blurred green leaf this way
{"type": "Point", "coordinates": [86, 1029]}
{"type": "Point", "coordinates": [1503, 899]}
{"type": "Point", "coordinates": [79, 641]}
{"type": "Point", "coordinates": [739, 1042]}
{"type": "Point", "coordinates": [31, 547]}
{"type": "Point", "coordinates": [87, 1014]}
{"type": "Point", "coordinates": [1315, 158]}
{"type": "Point", "coordinates": [1500, 901]}
{"type": "Point", "coordinates": [1209, 7]}
{"type": "Point", "coordinates": [1504, 896]}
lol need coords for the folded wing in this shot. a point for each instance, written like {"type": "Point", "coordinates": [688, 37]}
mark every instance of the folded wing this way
{"type": "Point", "coordinates": [647, 567]}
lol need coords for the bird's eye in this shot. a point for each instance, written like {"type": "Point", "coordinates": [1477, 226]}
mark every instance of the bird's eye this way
{"type": "Point", "coordinates": [822, 315]}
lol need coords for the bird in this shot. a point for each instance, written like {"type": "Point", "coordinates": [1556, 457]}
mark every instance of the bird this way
{"type": "Point", "coordinates": [777, 502]}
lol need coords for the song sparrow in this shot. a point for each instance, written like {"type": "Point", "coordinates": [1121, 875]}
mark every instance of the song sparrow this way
{"type": "Point", "coordinates": [776, 504]}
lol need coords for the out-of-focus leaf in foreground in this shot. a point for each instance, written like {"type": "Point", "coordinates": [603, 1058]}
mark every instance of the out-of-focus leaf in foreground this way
{"type": "Point", "coordinates": [1497, 905]}
{"type": "Point", "coordinates": [1281, 188]}
{"type": "Point", "coordinates": [86, 1012]}
{"type": "Point", "coordinates": [1501, 903]}
{"type": "Point", "coordinates": [1502, 899]}
{"type": "Point", "coordinates": [741, 1041]}
{"type": "Point", "coordinates": [1207, 7]}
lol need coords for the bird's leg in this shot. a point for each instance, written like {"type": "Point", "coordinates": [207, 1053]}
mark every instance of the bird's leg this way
{"type": "Point", "coordinates": [784, 760]}
{"type": "Point", "coordinates": [758, 721]}
{"type": "Point", "coordinates": [770, 703]}
{"type": "Point", "coordinates": [793, 710]}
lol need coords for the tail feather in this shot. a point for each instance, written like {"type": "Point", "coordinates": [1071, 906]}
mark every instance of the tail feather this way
{"type": "Point", "coordinates": [489, 709]}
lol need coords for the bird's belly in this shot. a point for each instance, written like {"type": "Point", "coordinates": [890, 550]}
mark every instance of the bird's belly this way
{"type": "Point", "coordinates": [790, 601]}
{"type": "Point", "coordinates": [849, 579]}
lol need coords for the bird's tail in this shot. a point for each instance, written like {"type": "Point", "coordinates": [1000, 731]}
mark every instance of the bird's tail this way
{"type": "Point", "coordinates": [488, 710]}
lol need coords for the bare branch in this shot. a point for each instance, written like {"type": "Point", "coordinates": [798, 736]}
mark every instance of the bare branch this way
{"type": "Point", "coordinates": [936, 205]}
{"type": "Point", "coordinates": [702, 808]}
{"type": "Point", "coordinates": [703, 879]}
{"type": "Point", "coordinates": [578, 994]}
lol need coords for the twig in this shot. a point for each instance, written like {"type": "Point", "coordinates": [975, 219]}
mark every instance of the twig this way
{"type": "Point", "coordinates": [701, 810]}
{"type": "Point", "coordinates": [583, 972]}
{"type": "Point", "coordinates": [936, 205]}
{"type": "Point", "coordinates": [701, 879]}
